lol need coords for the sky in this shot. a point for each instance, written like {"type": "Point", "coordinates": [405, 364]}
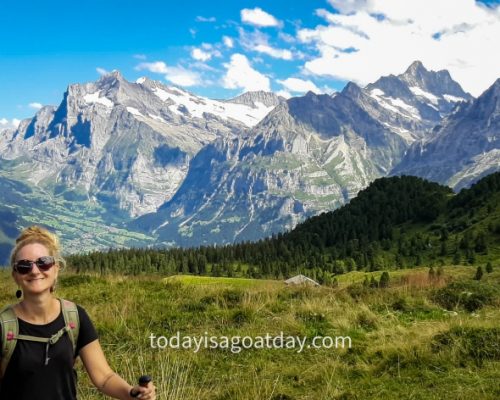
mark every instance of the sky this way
{"type": "Point", "coordinates": [220, 49]}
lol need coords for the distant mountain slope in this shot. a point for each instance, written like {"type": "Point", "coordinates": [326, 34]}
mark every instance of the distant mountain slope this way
{"type": "Point", "coordinates": [463, 148]}
{"type": "Point", "coordinates": [177, 169]}
{"type": "Point", "coordinates": [309, 154]}
{"type": "Point", "coordinates": [123, 143]}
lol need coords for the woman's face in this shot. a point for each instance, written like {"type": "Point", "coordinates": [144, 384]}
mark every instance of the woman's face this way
{"type": "Point", "coordinates": [36, 281]}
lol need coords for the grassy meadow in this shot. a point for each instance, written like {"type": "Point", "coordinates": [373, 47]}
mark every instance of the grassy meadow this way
{"type": "Point", "coordinates": [422, 337]}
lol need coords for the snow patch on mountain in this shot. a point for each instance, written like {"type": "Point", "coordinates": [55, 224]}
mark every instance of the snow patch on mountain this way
{"type": "Point", "coordinates": [419, 92]}
{"type": "Point", "coordinates": [453, 99]}
{"type": "Point", "coordinates": [96, 98]}
{"type": "Point", "coordinates": [197, 107]}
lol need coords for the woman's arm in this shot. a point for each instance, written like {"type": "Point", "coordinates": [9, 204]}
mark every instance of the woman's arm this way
{"type": "Point", "coordinates": [105, 379]}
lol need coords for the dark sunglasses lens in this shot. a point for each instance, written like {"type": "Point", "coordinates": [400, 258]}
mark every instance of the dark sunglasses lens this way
{"type": "Point", "coordinates": [45, 263]}
{"type": "Point", "coordinates": [23, 267]}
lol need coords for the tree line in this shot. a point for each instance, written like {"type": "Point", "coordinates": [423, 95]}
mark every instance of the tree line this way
{"type": "Point", "coordinates": [396, 222]}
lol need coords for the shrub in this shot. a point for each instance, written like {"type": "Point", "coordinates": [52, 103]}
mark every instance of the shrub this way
{"type": "Point", "coordinates": [241, 316]}
{"type": "Point", "coordinates": [384, 280]}
{"type": "Point", "coordinates": [400, 305]}
{"type": "Point", "coordinates": [478, 344]}
{"type": "Point", "coordinates": [479, 274]}
{"type": "Point", "coordinates": [357, 291]}
{"type": "Point", "coordinates": [489, 268]}
{"type": "Point", "coordinates": [366, 321]}
{"type": "Point", "coordinates": [468, 295]}
{"type": "Point", "coordinates": [232, 297]}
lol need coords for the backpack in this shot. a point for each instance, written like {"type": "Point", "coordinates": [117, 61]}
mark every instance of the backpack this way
{"type": "Point", "coordinates": [10, 332]}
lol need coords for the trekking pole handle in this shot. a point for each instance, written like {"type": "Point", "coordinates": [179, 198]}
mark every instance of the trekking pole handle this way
{"type": "Point", "coordinates": [143, 381]}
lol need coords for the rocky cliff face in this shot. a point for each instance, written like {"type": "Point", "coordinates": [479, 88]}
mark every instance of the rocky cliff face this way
{"type": "Point", "coordinates": [310, 154]}
{"type": "Point", "coordinates": [121, 143]}
{"type": "Point", "coordinates": [463, 148]}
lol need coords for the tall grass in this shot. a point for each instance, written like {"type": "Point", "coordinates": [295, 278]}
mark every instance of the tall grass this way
{"type": "Point", "coordinates": [405, 343]}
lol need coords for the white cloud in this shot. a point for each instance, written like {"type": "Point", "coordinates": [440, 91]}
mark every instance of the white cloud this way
{"type": "Point", "coordinates": [259, 17]}
{"type": "Point", "coordinates": [228, 42]}
{"type": "Point", "coordinates": [6, 124]}
{"type": "Point", "coordinates": [200, 55]}
{"type": "Point", "coordinates": [259, 41]}
{"type": "Point", "coordinates": [35, 105]}
{"type": "Point", "coordinates": [140, 56]}
{"type": "Point", "coordinates": [183, 77]}
{"type": "Point", "coordinates": [284, 93]}
{"type": "Point", "coordinates": [200, 18]}
{"type": "Point", "coordinates": [249, 40]}
{"type": "Point", "coordinates": [102, 71]}
{"type": "Point", "coordinates": [286, 37]}
{"type": "Point", "coordinates": [158, 67]}
{"type": "Point", "coordinates": [370, 38]}
{"type": "Point", "coordinates": [299, 85]}
{"type": "Point", "coordinates": [177, 75]}
{"type": "Point", "coordinates": [276, 53]}
{"type": "Point", "coordinates": [205, 53]}
{"type": "Point", "coordinates": [240, 74]}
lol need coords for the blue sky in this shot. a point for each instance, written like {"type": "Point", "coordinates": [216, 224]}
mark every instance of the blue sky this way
{"type": "Point", "coordinates": [220, 49]}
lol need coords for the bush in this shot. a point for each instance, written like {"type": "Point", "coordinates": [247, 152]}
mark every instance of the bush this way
{"type": "Point", "coordinates": [400, 305]}
{"type": "Point", "coordinates": [241, 316]}
{"type": "Point", "coordinates": [232, 297]}
{"type": "Point", "coordinates": [489, 268]}
{"type": "Point", "coordinates": [478, 344]}
{"type": "Point", "coordinates": [366, 321]}
{"type": "Point", "coordinates": [470, 296]}
{"type": "Point", "coordinates": [479, 274]}
{"type": "Point", "coordinates": [384, 280]}
{"type": "Point", "coordinates": [357, 291]}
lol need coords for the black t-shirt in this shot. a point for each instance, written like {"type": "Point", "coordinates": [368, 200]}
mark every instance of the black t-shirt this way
{"type": "Point", "coordinates": [28, 378]}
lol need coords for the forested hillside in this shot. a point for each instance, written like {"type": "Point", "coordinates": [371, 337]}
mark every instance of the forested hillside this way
{"type": "Point", "coordinates": [396, 222]}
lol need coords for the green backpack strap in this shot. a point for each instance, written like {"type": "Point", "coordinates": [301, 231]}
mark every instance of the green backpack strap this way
{"type": "Point", "coordinates": [10, 330]}
{"type": "Point", "coordinates": [71, 320]}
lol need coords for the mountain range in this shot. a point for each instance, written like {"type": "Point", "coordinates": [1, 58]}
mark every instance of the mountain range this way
{"type": "Point", "coordinates": [143, 163]}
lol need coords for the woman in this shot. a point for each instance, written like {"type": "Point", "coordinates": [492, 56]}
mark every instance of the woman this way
{"type": "Point", "coordinates": [40, 368]}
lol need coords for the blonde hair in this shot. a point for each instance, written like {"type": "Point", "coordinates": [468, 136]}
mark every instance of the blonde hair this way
{"type": "Point", "coordinates": [37, 234]}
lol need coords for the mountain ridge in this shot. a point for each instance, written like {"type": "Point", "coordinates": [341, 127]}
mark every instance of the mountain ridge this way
{"type": "Point", "coordinates": [186, 170]}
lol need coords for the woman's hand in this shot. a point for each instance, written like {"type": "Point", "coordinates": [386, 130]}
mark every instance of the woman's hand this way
{"type": "Point", "coordinates": [144, 393]}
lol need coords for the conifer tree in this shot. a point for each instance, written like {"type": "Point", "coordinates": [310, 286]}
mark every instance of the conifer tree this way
{"type": "Point", "coordinates": [479, 273]}
{"type": "Point", "coordinates": [384, 280]}
{"type": "Point", "coordinates": [489, 267]}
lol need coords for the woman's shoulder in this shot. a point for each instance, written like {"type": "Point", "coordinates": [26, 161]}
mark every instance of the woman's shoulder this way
{"type": "Point", "coordinates": [71, 305]}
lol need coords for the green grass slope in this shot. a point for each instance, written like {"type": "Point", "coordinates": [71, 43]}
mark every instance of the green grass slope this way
{"type": "Point", "coordinates": [422, 337]}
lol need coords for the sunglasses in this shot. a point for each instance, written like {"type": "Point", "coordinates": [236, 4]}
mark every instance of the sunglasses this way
{"type": "Point", "coordinates": [24, 267]}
